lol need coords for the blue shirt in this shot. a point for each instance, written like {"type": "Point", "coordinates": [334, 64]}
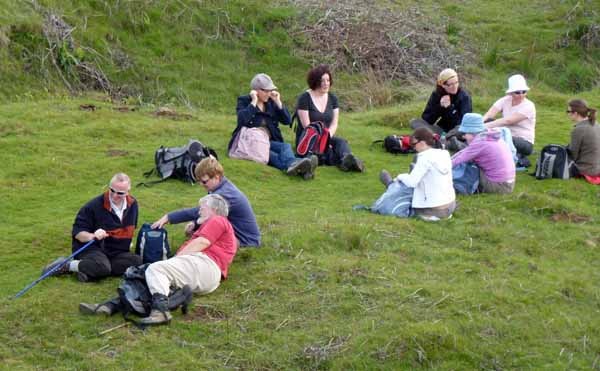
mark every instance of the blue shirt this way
{"type": "Point", "coordinates": [241, 216]}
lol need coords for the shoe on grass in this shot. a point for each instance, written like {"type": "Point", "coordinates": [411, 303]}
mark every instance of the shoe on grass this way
{"type": "Point", "coordinates": [299, 167]}
{"type": "Point", "coordinates": [351, 163]}
{"type": "Point", "coordinates": [385, 177]}
{"type": "Point", "coordinates": [62, 270]}
{"type": "Point", "coordinates": [88, 308]}
{"type": "Point", "coordinates": [314, 163]}
{"type": "Point", "coordinates": [157, 317]}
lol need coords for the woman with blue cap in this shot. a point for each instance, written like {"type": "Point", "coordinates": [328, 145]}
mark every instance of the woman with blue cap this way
{"type": "Point", "coordinates": [489, 152]}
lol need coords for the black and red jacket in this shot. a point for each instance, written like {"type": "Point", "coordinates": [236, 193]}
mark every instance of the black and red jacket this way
{"type": "Point", "coordinates": [97, 213]}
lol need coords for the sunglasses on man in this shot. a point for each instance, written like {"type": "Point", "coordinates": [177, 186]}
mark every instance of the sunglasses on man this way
{"type": "Point", "coordinates": [120, 193]}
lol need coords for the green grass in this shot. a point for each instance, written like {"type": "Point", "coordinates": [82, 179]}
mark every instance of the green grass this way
{"type": "Point", "coordinates": [498, 286]}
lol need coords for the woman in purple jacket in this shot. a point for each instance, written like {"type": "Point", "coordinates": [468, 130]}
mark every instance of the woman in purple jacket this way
{"type": "Point", "coordinates": [489, 152]}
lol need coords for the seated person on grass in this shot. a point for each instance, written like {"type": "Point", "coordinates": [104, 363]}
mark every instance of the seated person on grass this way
{"type": "Point", "coordinates": [262, 109]}
{"type": "Point", "coordinates": [210, 174]}
{"type": "Point", "coordinates": [518, 115]}
{"type": "Point", "coordinates": [584, 147]}
{"type": "Point", "coordinates": [200, 263]}
{"type": "Point", "coordinates": [445, 109]}
{"type": "Point", "coordinates": [433, 198]}
{"type": "Point", "coordinates": [489, 152]}
{"type": "Point", "coordinates": [110, 219]}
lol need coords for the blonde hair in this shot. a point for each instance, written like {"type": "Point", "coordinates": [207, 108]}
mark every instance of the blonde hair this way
{"type": "Point", "coordinates": [210, 167]}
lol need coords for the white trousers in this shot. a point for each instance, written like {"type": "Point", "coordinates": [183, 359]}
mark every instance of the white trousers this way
{"type": "Point", "coordinates": [198, 271]}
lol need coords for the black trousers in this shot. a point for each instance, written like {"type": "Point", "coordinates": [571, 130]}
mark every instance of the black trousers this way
{"type": "Point", "coordinates": [96, 264]}
{"type": "Point", "coordinates": [337, 149]}
{"type": "Point", "coordinates": [523, 147]}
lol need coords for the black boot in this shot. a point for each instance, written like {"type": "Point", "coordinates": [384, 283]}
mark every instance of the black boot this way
{"type": "Point", "coordinates": [160, 311]}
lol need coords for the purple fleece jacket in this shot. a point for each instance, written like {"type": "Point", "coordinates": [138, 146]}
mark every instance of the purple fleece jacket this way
{"type": "Point", "coordinates": [489, 152]}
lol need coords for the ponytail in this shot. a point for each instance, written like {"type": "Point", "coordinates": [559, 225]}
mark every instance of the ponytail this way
{"type": "Point", "coordinates": [581, 108]}
{"type": "Point", "coordinates": [592, 116]}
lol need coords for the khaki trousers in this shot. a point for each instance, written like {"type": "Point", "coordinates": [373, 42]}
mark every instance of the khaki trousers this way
{"type": "Point", "coordinates": [198, 271]}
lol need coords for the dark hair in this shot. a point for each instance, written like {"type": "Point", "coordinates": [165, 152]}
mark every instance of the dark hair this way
{"type": "Point", "coordinates": [425, 135]}
{"type": "Point", "coordinates": [313, 78]}
{"type": "Point", "coordinates": [580, 106]}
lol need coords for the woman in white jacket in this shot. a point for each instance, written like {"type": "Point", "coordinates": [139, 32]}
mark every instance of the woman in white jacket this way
{"type": "Point", "coordinates": [431, 178]}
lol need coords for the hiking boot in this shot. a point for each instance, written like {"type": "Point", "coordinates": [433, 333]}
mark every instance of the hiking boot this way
{"type": "Point", "coordinates": [88, 308]}
{"type": "Point", "coordinates": [82, 277]}
{"type": "Point", "coordinates": [62, 270]}
{"type": "Point", "coordinates": [299, 167]}
{"type": "Point", "coordinates": [157, 317]}
{"type": "Point", "coordinates": [351, 163]}
{"type": "Point", "coordinates": [385, 177]}
{"type": "Point", "coordinates": [314, 163]}
{"type": "Point", "coordinates": [160, 311]}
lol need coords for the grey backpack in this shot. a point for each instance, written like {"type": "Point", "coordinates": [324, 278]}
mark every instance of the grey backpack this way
{"type": "Point", "coordinates": [179, 162]}
{"type": "Point", "coordinates": [554, 162]}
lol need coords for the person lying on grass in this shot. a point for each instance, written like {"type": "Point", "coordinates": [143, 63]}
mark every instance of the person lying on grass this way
{"type": "Point", "coordinates": [110, 219]}
{"type": "Point", "coordinates": [200, 263]}
{"type": "Point", "coordinates": [210, 174]}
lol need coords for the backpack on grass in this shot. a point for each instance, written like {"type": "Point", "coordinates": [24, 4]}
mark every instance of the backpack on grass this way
{"type": "Point", "coordinates": [554, 162]}
{"type": "Point", "coordinates": [396, 144]}
{"type": "Point", "coordinates": [152, 244]}
{"type": "Point", "coordinates": [313, 140]}
{"type": "Point", "coordinates": [135, 297]}
{"type": "Point", "coordinates": [179, 162]}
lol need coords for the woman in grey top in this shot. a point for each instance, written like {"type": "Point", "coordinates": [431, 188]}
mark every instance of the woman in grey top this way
{"type": "Point", "coordinates": [585, 139]}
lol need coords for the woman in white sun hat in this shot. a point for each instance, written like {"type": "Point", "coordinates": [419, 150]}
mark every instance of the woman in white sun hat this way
{"type": "Point", "coordinates": [518, 115]}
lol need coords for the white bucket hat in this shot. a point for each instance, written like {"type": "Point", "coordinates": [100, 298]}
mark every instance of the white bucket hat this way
{"type": "Point", "coordinates": [516, 83]}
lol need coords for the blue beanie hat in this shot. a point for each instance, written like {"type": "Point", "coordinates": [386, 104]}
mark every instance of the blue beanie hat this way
{"type": "Point", "coordinates": [472, 123]}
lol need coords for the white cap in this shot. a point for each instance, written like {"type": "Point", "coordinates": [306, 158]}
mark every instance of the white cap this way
{"type": "Point", "coordinates": [516, 83]}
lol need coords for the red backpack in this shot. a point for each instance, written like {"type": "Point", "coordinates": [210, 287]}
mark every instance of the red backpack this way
{"type": "Point", "coordinates": [313, 140]}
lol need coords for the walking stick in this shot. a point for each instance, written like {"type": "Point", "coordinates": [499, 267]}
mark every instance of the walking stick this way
{"type": "Point", "coordinates": [57, 267]}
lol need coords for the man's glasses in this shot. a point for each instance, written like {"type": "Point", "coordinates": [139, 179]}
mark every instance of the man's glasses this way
{"type": "Point", "coordinates": [120, 193]}
{"type": "Point", "coordinates": [449, 84]}
{"type": "Point", "coordinates": [569, 111]}
{"type": "Point", "coordinates": [519, 92]}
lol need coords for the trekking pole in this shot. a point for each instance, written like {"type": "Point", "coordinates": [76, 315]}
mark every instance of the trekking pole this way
{"type": "Point", "coordinates": [57, 267]}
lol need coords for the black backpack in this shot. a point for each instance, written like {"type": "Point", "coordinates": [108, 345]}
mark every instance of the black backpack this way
{"type": "Point", "coordinates": [179, 162]}
{"type": "Point", "coordinates": [396, 144]}
{"type": "Point", "coordinates": [135, 298]}
{"type": "Point", "coordinates": [554, 162]}
{"type": "Point", "coordinates": [152, 244]}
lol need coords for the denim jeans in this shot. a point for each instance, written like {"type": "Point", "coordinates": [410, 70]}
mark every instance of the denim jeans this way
{"type": "Point", "coordinates": [281, 155]}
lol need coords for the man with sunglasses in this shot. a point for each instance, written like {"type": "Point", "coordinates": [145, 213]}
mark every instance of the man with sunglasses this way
{"type": "Point", "coordinates": [110, 219]}
{"type": "Point", "coordinates": [210, 174]}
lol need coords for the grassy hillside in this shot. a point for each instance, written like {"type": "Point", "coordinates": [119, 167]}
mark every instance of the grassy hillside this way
{"type": "Point", "coordinates": [510, 282]}
{"type": "Point", "coordinates": [202, 54]}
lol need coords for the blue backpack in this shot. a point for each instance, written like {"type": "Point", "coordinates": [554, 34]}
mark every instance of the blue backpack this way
{"type": "Point", "coordinates": [465, 178]}
{"type": "Point", "coordinates": [152, 244]}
